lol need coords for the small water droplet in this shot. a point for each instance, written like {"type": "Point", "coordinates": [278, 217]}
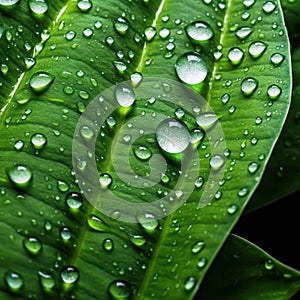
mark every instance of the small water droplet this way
{"type": "Point", "coordinates": [33, 245]}
{"type": "Point", "coordinates": [269, 265]}
{"type": "Point", "coordinates": [40, 81]}
{"type": "Point", "coordinates": [248, 3]}
{"type": "Point", "coordinates": [243, 192]}
{"type": "Point", "coordinates": [46, 280]}
{"type": "Point", "coordinates": [164, 33]}
{"type": "Point", "coordinates": [256, 49]}
{"type": "Point", "coordinates": [243, 32]}
{"type": "Point", "coordinates": [38, 7]}
{"type": "Point", "coordinates": [124, 95]}
{"type": "Point", "coordinates": [19, 145]}
{"type": "Point", "coordinates": [137, 240]}
{"type": "Point", "coordinates": [274, 91]}
{"type": "Point", "coordinates": [96, 223]}
{"type": "Point", "coordinates": [191, 68]}
{"type": "Point", "coordinates": [70, 35]}
{"type": "Point", "coordinates": [14, 280]}
{"type": "Point", "coordinates": [120, 66]}
{"type": "Point", "coordinates": [8, 3]}
{"type": "Point", "coordinates": [74, 200]}
{"type": "Point", "coordinates": [235, 55]}
{"type": "Point", "coordinates": [202, 262]}
{"type": "Point", "coordinates": [105, 180]}
{"type": "Point", "coordinates": [65, 233]}
{"type": "Point", "coordinates": [277, 59]}
{"type": "Point", "coordinates": [232, 209]}
{"type": "Point", "coordinates": [253, 167]}
{"type": "Point", "coordinates": [20, 176]}
{"type": "Point", "coordinates": [87, 133]}
{"type": "Point", "coordinates": [143, 153]}
{"type": "Point", "coordinates": [197, 136]}
{"type": "Point", "coordinates": [199, 182]}
{"type": "Point", "coordinates": [199, 31]}
{"type": "Point", "coordinates": [269, 7]}
{"type": "Point", "coordinates": [172, 136]}
{"type": "Point", "coordinates": [62, 186]}
{"type": "Point", "coordinates": [84, 5]}
{"type": "Point", "coordinates": [136, 78]}
{"type": "Point", "coordinates": [216, 161]}
{"type": "Point", "coordinates": [38, 140]}
{"type": "Point", "coordinates": [147, 221]}
{"type": "Point", "coordinates": [69, 274]}
{"type": "Point", "coordinates": [248, 86]}
{"type": "Point", "coordinates": [206, 120]}
{"type": "Point", "coordinates": [108, 245]}
{"type": "Point", "coordinates": [190, 283]}
{"type": "Point", "coordinates": [119, 289]}
{"type": "Point", "coordinates": [150, 33]}
{"type": "Point", "coordinates": [197, 247]}
{"type": "Point", "coordinates": [121, 25]}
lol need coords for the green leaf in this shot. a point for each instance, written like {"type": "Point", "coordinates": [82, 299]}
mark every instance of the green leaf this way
{"type": "Point", "coordinates": [55, 250]}
{"type": "Point", "coordinates": [244, 271]}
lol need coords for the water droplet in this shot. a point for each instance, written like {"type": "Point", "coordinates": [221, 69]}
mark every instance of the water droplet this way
{"type": "Point", "coordinates": [256, 49]}
{"type": "Point", "coordinates": [38, 7]}
{"type": "Point", "coordinates": [277, 59]}
{"type": "Point", "coordinates": [269, 7]}
{"type": "Point", "coordinates": [119, 289]}
{"type": "Point", "coordinates": [147, 221]}
{"type": "Point", "coordinates": [143, 153]}
{"type": "Point", "coordinates": [243, 192]}
{"type": "Point", "coordinates": [33, 245]}
{"type": "Point", "coordinates": [108, 245]}
{"type": "Point", "coordinates": [70, 35]}
{"type": "Point", "coordinates": [253, 167]}
{"type": "Point", "coordinates": [197, 136]}
{"type": "Point", "coordinates": [105, 180]}
{"type": "Point", "coordinates": [74, 200]}
{"type": "Point", "coordinates": [150, 33]}
{"type": "Point", "coordinates": [20, 176]}
{"type": "Point", "coordinates": [8, 3]}
{"type": "Point", "coordinates": [137, 240]}
{"type": "Point", "coordinates": [269, 265]}
{"type": "Point", "coordinates": [243, 33]}
{"type": "Point", "coordinates": [136, 78]}
{"type": "Point", "coordinates": [46, 280]}
{"type": "Point", "coordinates": [121, 25]}
{"type": "Point", "coordinates": [202, 262]}
{"type": "Point", "coordinates": [248, 86]}
{"type": "Point", "coordinates": [30, 62]}
{"type": "Point", "coordinates": [84, 5]}
{"type": "Point", "coordinates": [40, 81]}
{"type": "Point", "coordinates": [206, 120]}
{"type": "Point", "coordinates": [199, 31]}
{"type": "Point", "coordinates": [248, 3]}
{"type": "Point", "coordinates": [274, 91]}
{"type": "Point", "coordinates": [96, 223]}
{"type": "Point", "coordinates": [199, 182]}
{"type": "Point", "coordinates": [65, 233]}
{"type": "Point", "coordinates": [38, 140]}
{"type": "Point", "coordinates": [19, 145]}
{"type": "Point", "coordinates": [69, 274]}
{"type": "Point", "coordinates": [216, 161]}
{"type": "Point", "coordinates": [197, 247]}
{"type": "Point", "coordinates": [124, 95]}
{"type": "Point", "coordinates": [179, 113]}
{"type": "Point", "coordinates": [235, 55]}
{"type": "Point", "coordinates": [62, 186]}
{"type": "Point", "coordinates": [14, 280]}
{"type": "Point", "coordinates": [190, 283]}
{"type": "Point", "coordinates": [191, 68]}
{"type": "Point", "coordinates": [88, 32]}
{"type": "Point", "coordinates": [232, 209]}
{"type": "Point", "coordinates": [87, 132]}
{"type": "Point", "coordinates": [164, 33]}
{"type": "Point", "coordinates": [120, 66]}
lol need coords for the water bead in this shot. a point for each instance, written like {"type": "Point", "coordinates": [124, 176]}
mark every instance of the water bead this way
{"type": "Point", "coordinates": [274, 91]}
{"type": "Point", "coordinates": [199, 31]}
{"type": "Point", "coordinates": [20, 176]}
{"type": "Point", "coordinates": [74, 200]}
{"type": "Point", "coordinates": [191, 68]}
{"type": "Point", "coordinates": [38, 7]}
{"type": "Point", "coordinates": [124, 95]}
{"type": "Point", "coordinates": [235, 55]}
{"type": "Point", "coordinates": [119, 289]}
{"type": "Point", "coordinates": [256, 49]}
{"type": "Point", "coordinates": [248, 86]}
{"type": "Point", "coordinates": [38, 140]}
{"type": "Point", "coordinates": [40, 81]}
{"type": "Point", "coordinates": [32, 245]}
{"type": "Point", "coordinates": [14, 280]}
{"type": "Point", "coordinates": [69, 274]}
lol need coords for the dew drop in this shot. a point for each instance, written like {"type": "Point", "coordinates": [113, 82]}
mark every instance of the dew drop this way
{"type": "Point", "coordinates": [105, 180]}
{"type": "Point", "coordinates": [136, 78]}
{"type": "Point", "coordinates": [87, 133]}
{"type": "Point", "coordinates": [121, 25]}
{"type": "Point", "coordinates": [29, 62]}
{"type": "Point", "coordinates": [197, 136]}
{"type": "Point", "coordinates": [62, 186]}
{"type": "Point", "coordinates": [191, 68]}
{"type": "Point", "coordinates": [84, 5]}
{"type": "Point", "coordinates": [70, 35]}
{"type": "Point", "coordinates": [235, 55]}
{"type": "Point", "coordinates": [269, 7]}
{"type": "Point", "coordinates": [197, 247]}
{"type": "Point", "coordinates": [38, 7]}
{"type": "Point", "coordinates": [14, 280]}
{"type": "Point", "coordinates": [206, 120]}
{"type": "Point", "coordinates": [96, 223]}
{"type": "Point", "coordinates": [69, 274]}
{"type": "Point", "coordinates": [190, 283]}
{"type": "Point", "coordinates": [19, 144]}
{"type": "Point", "coordinates": [164, 33]}
{"type": "Point", "coordinates": [108, 245]}
{"type": "Point", "coordinates": [199, 31]}
{"type": "Point", "coordinates": [202, 262]}
{"type": "Point", "coordinates": [277, 59]}
{"type": "Point", "coordinates": [74, 200]}
{"type": "Point", "coordinates": [248, 3]}
{"type": "Point", "coordinates": [137, 240]}
{"type": "Point", "coordinates": [38, 140]}
{"type": "Point", "coordinates": [269, 265]}
{"type": "Point", "coordinates": [33, 245]}
{"type": "Point", "coordinates": [20, 176]}
{"type": "Point", "coordinates": [143, 153]}
{"type": "Point", "coordinates": [243, 32]}
{"type": "Point", "coordinates": [216, 161]}
{"type": "Point", "coordinates": [8, 3]}
{"type": "Point", "coordinates": [147, 221]}
{"type": "Point", "coordinates": [46, 280]}
{"type": "Point", "coordinates": [124, 95]}
{"type": "Point", "coordinates": [243, 192]}
{"type": "Point", "coordinates": [232, 209]}
{"type": "Point", "coordinates": [119, 289]}
{"type": "Point", "coordinates": [40, 81]}
{"type": "Point", "coordinates": [274, 91]}
{"type": "Point", "coordinates": [199, 182]}
{"type": "Point", "coordinates": [150, 33]}
{"type": "Point", "coordinates": [256, 49]}
{"type": "Point", "coordinates": [172, 136]}
{"type": "Point", "coordinates": [248, 86]}
{"type": "Point", "coordinates": [253, 167]}
{"type": "Point", "coordinates": [65, 233]}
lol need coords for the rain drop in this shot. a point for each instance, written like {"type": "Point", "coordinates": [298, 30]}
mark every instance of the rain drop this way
{"type": "Point", "coordinates": [38, 7]}
{"type": "Point", "coordinates": [8, 3]}
{"type": "Point", "coordinates": [277, 59]}
{"type": "Point", "coordinates": [191, 68]}
{"type": "Point", "coordinates": [20, 176]}
{"type": "Point", "coordinates": [32, 245]}
{"type": "Point", "coordinates": [74, 200]}
{"type": "Point", "coordinates": [197, 247]}
{"type": "Point", "coordinates": [40, 81]}
{"type": "Point", "coordinates": [121, 25]}
{"type": "Point", "coordinates": [216, 162]}
{"type": "Point", "coordinates": [232, 209]}
{"type": "Point", "coordinates": [119, 289]}
{"type": "Point", "coordinates": [190, 283]}
{"type": "Point", "coordinates": [69, 275]}
{"type": "Point", "coordinates": [269, 265]}
{"type": "Point", "coordinates": [147, 221]}
{"type": "Point", "coordinates": [269, 7]}
{"type": "Point", "coordinates": [202, 262]}
{"type": "Point", "coordinates": [243, 33]}
{"type": "Point", "coordinates": [108, 245]}
{"type": "Point", "coordinates": [150, 33]}
{"type": "Point", "coordinates": [84, 5]}
{"type": "Point", "coordinates": [253, 167]}
{"type": "Point", "coordinates": [172, 136]}
{"type": "Point", "coordinates": [199, 182]}
{"type": "Point", "coordinates": [256, 49]}
{"type": "Point", "coordinates": [199, 31]}
{"type": "Point", "coordinates": [87, 133]}
{"type": "Point", "coordinates": [14, 280]}
{"type": "Point", "coordinates": [46, 280]}
{"type": "Point", "coordinates": [38, 140]}
{"type": "Point", "coordinates": [206, 120]}
{"type": "Point", "coordinates": [274, 91]}
{"type": "Point", "coordinates": [124, 95]}
{"type": "Point", "coordinates": [137, 240]}
{"type": "Point", "coordinates": [235, 55]}
{"type": "Point", "coordinates": [248, 86]}
{"type": "Point", "coordinates": [143, 153]}
{"type": "Point", "coordinates": [105, 180]}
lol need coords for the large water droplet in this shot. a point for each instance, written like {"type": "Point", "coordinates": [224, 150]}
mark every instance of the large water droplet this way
{"type": "Point", "coordinates": [40, 81]}
{"type": "Point", "coordinates": [84, 5]}
{"type": "Point", "coordinates": [253, 167]}
{"type": "Point", "coordinates": [33, 245]}
{"type": "Point", "coordinates": [243, 33]}
{"type": "Point", "coordinates": [121, 25]}
{"type": "Point", "coordinates": [38, 7]}
{"type": "Point", "coordinates": [124, 95]}
{"type": "Point", "coordinates": [232, 209]}
{"type": "Point", "coordinates": [38, 140]}
{"type": "Point", "coordinates": [108, 245]}
{"type": "Point", "coordinates": [256, 49]}
{"type": "Point", "coordinates": [235, 55]}
{"type": "Point", "coordinates": [248, 86]}
{"type": "Point", "coordinates": [172, 136]}
{"type": "Point", "coordinates": [96, 223]}
{"type": "Point", "coordinates": [8, 3]}
{"type": "Point", "coordinates": [87, 133]}
{"type": "Point", "coordinates": [274, 91]}
{"type": "Point", "coordinates": [147, 221]}
{"type": "Point", "coordinates": [216, 161]}
{"type": "Point", "coordinates": [74, 200]}
{"type": "Point", "coordinates": [197, 247]}
{"type": "Point", "coordinates": [206, 120]}
{"type": "Point", "coordinates": [105, 180]}
{"type": "Point", "coordinates": [137, 240]}
{"type": "Point", "coordinates": [191, 68]}
{"type": "Point", "coordinates": [190, 283]}
{"type": "Point", "coordinates": [269, 7]}
{"type": "Point", "coordinates": [46, 280]}
{"type": "Point", "coordinates": [119, 289]}
{"type": "Point", "coordinates": [69, 274]}
{"type": "Point", "coordinates": [143, 153]}
{"type": "Point", "coordinates": [20, 176]}
{"type": "Point", "coordinates": [277, 59]}
{"type": "Point", "coordinates": [150, 33]}
{"type": "Point", "coordinates": [199, 31]}
{"type": "Point", "coordinates": [248, 3]}
{"type": "Point", "coordinates": [14, 280]}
